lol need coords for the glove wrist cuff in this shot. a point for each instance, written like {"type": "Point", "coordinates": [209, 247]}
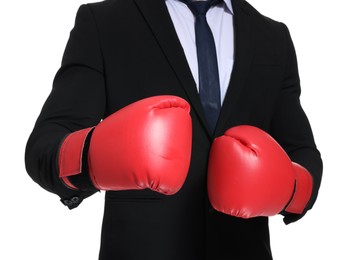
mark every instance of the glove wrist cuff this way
{"type": "Point", "coordinates": [303, 190]}
{"type": "Point", "coordinates": [70, 155]}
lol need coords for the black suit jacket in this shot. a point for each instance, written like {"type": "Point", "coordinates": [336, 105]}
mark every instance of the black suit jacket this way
{"type": "Point", "coordinates": [121, 51]}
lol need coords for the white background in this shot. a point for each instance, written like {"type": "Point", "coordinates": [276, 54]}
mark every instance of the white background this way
{"type": "Point", "coordinates": [35, 225]}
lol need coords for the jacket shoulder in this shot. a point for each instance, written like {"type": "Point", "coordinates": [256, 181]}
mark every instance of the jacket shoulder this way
{"type": "Point", "coordinates": [109, 5]}
{"type": "Point", "coordinates": [112, 11]}
{"type": "Point", "coordinates": [262, 24]}
{"type": "Point", "coordinates": [256, 15]}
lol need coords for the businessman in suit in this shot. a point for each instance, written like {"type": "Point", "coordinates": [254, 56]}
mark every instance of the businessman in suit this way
{"type": "Point", "coordinates": [124, 51]}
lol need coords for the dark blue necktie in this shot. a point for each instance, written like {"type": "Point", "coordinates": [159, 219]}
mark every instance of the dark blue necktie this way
{"type": "Point", "coordinates": [209, 83]}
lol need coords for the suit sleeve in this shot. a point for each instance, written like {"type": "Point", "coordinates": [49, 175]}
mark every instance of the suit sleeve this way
{"type": "Point", "coordinates": [291, 128]}
{"type": "Point", "coordinates": [77, 101]}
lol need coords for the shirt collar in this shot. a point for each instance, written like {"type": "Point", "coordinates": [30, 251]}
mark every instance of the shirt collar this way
{"type": "Point", "coordinates": [228, 4]}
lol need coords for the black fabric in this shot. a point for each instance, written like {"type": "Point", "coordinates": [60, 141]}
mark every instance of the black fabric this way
{"type": "Point", "coordinates": [121, 51]}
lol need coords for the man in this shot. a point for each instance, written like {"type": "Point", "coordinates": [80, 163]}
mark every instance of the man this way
{"type": "Point", "coordinates": [121, 52]}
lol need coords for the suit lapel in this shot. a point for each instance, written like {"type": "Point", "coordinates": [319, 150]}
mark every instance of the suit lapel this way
{"type": "Point", "coordinates": [156, 14]}
{"type": "Point", "coordinates": [243, 46]}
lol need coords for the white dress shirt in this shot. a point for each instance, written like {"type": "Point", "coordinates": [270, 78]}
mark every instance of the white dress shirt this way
{"type": "Point", "coordinates": [220, 20]}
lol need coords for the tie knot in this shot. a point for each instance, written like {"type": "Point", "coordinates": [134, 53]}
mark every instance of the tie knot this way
{"type": "Point", "coordinates": [200, 7]}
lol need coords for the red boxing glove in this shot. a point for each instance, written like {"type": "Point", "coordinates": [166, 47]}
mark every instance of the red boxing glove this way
{"type": "Point", "coordinates": [250, 175]}
{"type": "Point", "coordinates": [145, 145]}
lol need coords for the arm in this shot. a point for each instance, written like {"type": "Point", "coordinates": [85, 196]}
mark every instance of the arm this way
{"type": "Point", "coordinates": [251, 175]}
{"type": "Point", "coordinates": [76, 101]}
{"type": "Point", "coordinates": [291, 128]}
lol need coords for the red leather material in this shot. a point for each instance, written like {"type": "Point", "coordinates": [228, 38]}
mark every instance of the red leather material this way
{"type": "Point", "coordinates": [70, 155]}
{"type": "Point", "coordinates": [145, 145]}
{"type": "Point", "coordinates": [249, 174]}
{"type": "Point", "coordinates": [303, 190]}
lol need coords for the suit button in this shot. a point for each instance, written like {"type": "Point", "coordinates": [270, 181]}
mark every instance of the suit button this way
{"type": "Point", "coordinates": [72, 201]}
{"type": "Point", "coordinates": [75, 200]}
